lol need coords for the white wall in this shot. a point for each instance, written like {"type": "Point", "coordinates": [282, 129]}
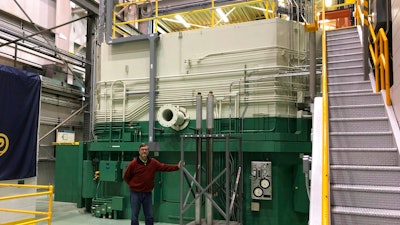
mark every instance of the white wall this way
{"type": "Point", "coordinates": [395, 90]}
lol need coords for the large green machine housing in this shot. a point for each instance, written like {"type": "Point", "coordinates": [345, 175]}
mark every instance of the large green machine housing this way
{"type": "Point", "coordinates": [281, 141]}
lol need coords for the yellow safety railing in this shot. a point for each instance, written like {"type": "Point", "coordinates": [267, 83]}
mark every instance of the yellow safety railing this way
{"type": "Point", "coordinates": [325, 130]}
{"type": "Point", "coordinates": [47, 215]}
{"type": "Point", "coordinates": [379, 51]}
{"type": "Point", "coordinates": [380, 58]}
{"type": "Point", "coordinates": [268, 9]}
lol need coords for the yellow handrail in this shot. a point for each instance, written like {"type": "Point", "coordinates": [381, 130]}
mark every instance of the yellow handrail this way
{"type": "Point", "coordinates": [325, 130]}
{"type": "Point", "coordinates": [379, 51]}
{"type": "Point", "coordinates": [48, 215]}
{"type": "Point", "coordinates": [380, 58]}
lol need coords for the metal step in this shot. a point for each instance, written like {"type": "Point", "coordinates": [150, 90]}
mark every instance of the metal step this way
{"type": "Point", "coordinates": [364, 216]}
{"type": "Point", "coordinates": [365, 175]}
{"type": "Point", "coordinates": [341, 32]}
{"type": "Point", "coordinates": [357, 111]}
{"type": "Point", "coordinates": [343, 40]}
{"type": "Point", "coordinates": [355, 99]}
{"type": "Point", "coordinates": [343, 72]}
{"type": "Point", "coordinates": [364, 196]}
{"type": "Point", "coordinates": [350, 56]}
{"type": "Point", "coordinates": [364, 156]}
{"type": "Point", "coordinates": [345, 63]}
{"type": "Point", "coordinates": [361, 140]}
{"type": "Point", "coordinates": [366, 124]}
{"type": "Point", "coordinates": [343, 49]}
{"type": "Point", "coordinates": [345, 86]}
{"type": "Point", "coordinates": [350, 91]}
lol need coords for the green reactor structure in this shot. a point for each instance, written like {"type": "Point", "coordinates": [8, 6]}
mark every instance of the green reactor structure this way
{"type": "Point", "coordinates": [231, 101]}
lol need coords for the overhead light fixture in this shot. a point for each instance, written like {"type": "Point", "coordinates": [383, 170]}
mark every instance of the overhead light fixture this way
{"type": "Point", "coordinates": [259, 8]}
{"type": "Point", "coordinates": [281, 3]}
{"type": "Point", "coordinates": [182, 21]}
{"type": "Point", "coordinates": [328, 3]}
{"type": "Point", "coordinates": [222, 15]}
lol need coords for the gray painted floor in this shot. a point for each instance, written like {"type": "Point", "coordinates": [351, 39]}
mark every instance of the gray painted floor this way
{"type": "Point", "coordinates": [68, 214]}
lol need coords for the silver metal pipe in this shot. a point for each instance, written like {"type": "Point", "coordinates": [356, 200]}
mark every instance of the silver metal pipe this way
{"type": "Point", "coordinates": [313, 65]}
{"type": "Point", "coordinates": [199, 111]}
{"type": "Point", "coordinates": [209, 153]}
{"type": "Point", "coordinates": [210, 111]}
{"type": "Point", "coordinates": [199, 115]}
{"type": "Point", "coordinates": [152, 85]}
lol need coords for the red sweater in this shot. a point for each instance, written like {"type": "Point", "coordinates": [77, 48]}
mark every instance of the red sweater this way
{"type": "Point", "coordinates": [140, 176]}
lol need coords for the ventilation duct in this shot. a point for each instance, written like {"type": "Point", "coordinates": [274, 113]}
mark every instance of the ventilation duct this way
{"type": "Point", "coordinates": [173, 116]}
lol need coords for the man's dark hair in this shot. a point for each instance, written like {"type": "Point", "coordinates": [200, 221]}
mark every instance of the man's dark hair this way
{"type": "Point", "coordinates": [142, 145]}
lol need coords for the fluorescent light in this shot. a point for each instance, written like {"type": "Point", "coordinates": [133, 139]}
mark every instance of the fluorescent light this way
{"type": "Point", "coordinates": [222, 15]}
{"type": "Point", "coordinates": [328, 3]}
{"type": "Point", "coordinates": [182, 21]}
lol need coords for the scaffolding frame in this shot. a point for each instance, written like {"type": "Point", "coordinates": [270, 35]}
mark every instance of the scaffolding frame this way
{"type": "Point", "coordinates": [233, 197]}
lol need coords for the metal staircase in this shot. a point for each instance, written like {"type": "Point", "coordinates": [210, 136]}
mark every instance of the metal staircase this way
{"type": "Point", "coordinates": [364, 161]}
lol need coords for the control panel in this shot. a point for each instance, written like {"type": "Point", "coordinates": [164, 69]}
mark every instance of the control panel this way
{"type": "Point", "coordinates": [261, 180]}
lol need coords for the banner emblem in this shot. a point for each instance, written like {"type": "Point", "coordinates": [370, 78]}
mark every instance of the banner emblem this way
{"type": "Point", "coordinates": [3, 143]}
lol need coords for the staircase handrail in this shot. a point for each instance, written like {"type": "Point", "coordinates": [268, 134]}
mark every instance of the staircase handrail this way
{"type": "Point", "coordinates": [325, 130]}
{"type": "Point", "coordinates": [380, 57]}
{"type": "Point", "coordinates": [379, 51]}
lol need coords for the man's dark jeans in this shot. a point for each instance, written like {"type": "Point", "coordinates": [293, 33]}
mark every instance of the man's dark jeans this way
{"type": "Point", "coordinates": [139, 199]}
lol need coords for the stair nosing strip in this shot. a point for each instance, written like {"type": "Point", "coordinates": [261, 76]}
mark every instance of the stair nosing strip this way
{"type": "Point", "coordinates": [361, 133]}
{"type": "Point", "coordinates": [363, 168]}
{"type": "Point", "coordinates": [379, 118]}
{"type": "Point", "coordinates": [363, 149]}
{"type": "Point", "coordinates": [344, 61]}
{"type": "Point", "coordinates": [357, 106]}
{"type": "Point", "coordinates": [372, 188]}
{"type": "Point", "coordinates": [383, 213]}
{"type": "Point", "coordinates": [345, 67]}
{"type": "Point", "coordinates": [355, 94]}
{"type": "Point", "coordinates": [350, 91]}
{"type": "Point", "coordinates": [348, 54]}
{"type": "Point", "coordinates": [350, 82]}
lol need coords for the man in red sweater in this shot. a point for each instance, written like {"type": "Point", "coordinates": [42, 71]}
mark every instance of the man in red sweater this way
{"type": "Point", "coordinates": [139, 175]}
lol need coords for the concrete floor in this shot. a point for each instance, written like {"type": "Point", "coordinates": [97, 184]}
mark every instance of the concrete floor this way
{"type": "Point", "coordinates": [67, 214]}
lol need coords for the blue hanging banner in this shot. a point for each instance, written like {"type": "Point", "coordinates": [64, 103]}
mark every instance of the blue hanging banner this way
{"type": "Point", "coordinates": [19, 120]}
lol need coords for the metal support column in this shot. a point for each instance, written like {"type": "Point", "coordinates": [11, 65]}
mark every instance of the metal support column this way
{"type": "Point", "coordinates": [87, 121]}
{"type": "Point", "coordinates": [365, 40]}
{"type": "Point", "coordinates": [153, 38]}
{"type": "Point", "coordinates": [313, 63]}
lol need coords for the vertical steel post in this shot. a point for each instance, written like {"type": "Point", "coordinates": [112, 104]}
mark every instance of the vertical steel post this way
{"type": "Point", "coordinates": [227, 180]}
{"type": "Point", "coordinates": [153, 38]}
{"type": "Point", "coordinates": [365, 40]}
{"type": "Point", "coordinates": [181, 183]}
{"type": "Point", "coordinates": [209, 152]}
{"type": "Point", "coordinates": [313, 63]}
{"type": "Point", "coordinates": [199, 118]}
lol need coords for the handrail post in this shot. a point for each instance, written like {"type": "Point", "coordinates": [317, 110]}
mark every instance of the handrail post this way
{"type": "Point", "coordinates": [365, 40]}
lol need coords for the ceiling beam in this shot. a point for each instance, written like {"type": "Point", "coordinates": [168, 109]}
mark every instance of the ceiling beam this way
{"type": "Point", "coordinates": [90, 5]}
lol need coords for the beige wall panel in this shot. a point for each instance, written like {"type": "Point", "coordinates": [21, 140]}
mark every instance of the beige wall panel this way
{"type": "Point", "coordinates": [63, 15]}
{"type": "Point", "coordinates": [41, 12]}
{"type": "Point", "coordinates": [217, 59]}
{"type": "Point", "coordinates": [124, 61]}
